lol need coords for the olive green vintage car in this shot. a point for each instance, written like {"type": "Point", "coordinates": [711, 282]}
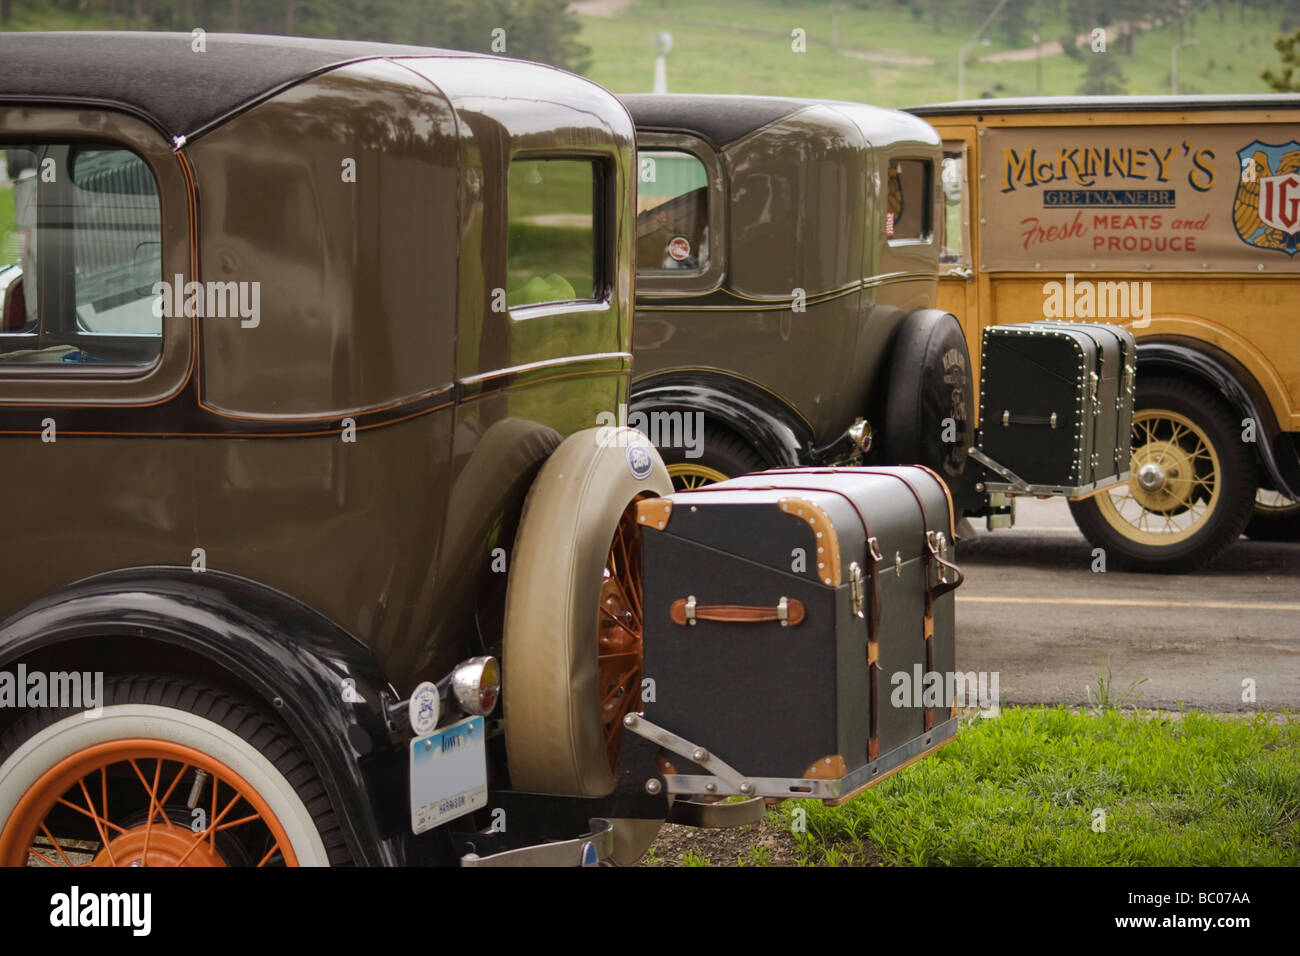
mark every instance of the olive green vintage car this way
{"type": "Point", "coordinates": [788, 255]}
{"type": "Point", "coordinates": [290, 330]}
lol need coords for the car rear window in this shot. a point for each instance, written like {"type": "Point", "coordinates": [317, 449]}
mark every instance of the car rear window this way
{"type": "Point", "coordinates": [551, 235]}
{"type": "Point", "coordinates": [909, 216]}
{"type": "Point", "coordinates": [672, 222]}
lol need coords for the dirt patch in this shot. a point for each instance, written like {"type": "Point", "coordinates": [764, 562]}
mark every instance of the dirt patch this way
{"type": "Point", "coordinates": [769, 843]}
{"type": "Point", "coordinates": [599, 8]}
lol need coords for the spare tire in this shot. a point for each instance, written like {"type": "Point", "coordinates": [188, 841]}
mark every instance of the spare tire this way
{"type": "Point", "coordinates": [571, 661]}
{"type": "Point", "coordinates": [929, 406]}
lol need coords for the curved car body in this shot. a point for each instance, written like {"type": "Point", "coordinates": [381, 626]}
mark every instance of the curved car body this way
{"type": "Point", "coordinates": [297, 322]}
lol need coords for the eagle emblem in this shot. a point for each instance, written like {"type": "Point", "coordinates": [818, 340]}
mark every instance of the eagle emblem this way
{"type": "Point", "coordinates": [1266, 210]}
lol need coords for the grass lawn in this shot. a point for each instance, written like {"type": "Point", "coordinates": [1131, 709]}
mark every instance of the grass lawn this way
{"type": "Point", "coordinates": [1176, 789]}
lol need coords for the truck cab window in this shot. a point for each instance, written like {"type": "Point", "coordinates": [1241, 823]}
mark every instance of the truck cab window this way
{"type": "Point", "coordinates": [953, 179]}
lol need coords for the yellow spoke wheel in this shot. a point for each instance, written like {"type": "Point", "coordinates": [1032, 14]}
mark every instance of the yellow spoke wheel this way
{"type": "Point", "coordinates": [1175, 485]}
{"type": "Point", "coordinates": [1192, 488]}
{"type": "Point", "coordinates": [687, 475]}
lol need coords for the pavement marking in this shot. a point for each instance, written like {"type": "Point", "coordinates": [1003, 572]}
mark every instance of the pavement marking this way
{"type": "Point", "coordinates": [1125, 602]}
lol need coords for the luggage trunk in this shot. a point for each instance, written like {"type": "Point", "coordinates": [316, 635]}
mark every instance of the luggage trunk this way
{"type": "Point", "coordinates": [1056, 407]}
{"type": "Point", "coordinates": [793, 622]}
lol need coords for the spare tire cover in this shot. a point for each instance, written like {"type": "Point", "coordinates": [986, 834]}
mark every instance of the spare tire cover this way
{"type": "Point", "coordinates": [930, 383]}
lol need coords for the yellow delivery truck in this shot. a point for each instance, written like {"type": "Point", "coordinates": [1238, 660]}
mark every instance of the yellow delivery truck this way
{"type": "Point", "coordinates": [1178, 218]}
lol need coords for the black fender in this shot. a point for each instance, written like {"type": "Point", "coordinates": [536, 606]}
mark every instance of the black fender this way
{"type": "Point", "coordinates": [775, 430]}
{"type": "Point", "coordinates": [322, 682]}
{"type": "Point", "coordinates": [1221, 373]}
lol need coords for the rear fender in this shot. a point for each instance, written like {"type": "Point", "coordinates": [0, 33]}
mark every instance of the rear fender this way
{"type": "Point", "coordinates": [322, 682]}
{"type": "Point", "coordinates": [1218, 371]}
{"type": "Point", "coordinates": [772, 427]}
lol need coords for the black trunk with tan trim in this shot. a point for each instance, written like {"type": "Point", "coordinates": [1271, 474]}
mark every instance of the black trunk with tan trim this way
{"type": "Point", "coordinates": [860, 552]}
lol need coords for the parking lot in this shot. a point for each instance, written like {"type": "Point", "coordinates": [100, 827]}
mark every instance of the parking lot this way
{"type": "Point", "coordinates": [1033, 610]}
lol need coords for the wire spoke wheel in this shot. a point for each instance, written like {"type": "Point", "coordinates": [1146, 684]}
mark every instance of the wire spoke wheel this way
{"type": "Point", "coordinates": [1274, 503]}
{"type": "Point", "coordinates": [688, 475]}
{"type": "Point", "coordinates": [620, 653]}
{"type": "Point", "coordinates": [142, 802]}
{"type": "Point", "coordinates": [1192, 488]}
{"type": "Point", "coordinates": [1176, 484]}
{"type": "Point", "coordinates": [1275, 517]}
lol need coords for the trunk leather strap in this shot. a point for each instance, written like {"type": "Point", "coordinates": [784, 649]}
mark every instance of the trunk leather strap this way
{"type": "Point", "coordinates": [684, 612]}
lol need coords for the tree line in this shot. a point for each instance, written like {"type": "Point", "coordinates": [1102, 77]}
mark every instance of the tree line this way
{"type": "Point", "coordinates": [541, 30]}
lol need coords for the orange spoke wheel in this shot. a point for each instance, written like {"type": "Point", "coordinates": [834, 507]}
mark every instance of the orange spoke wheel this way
{"type": "Point", "coordinates": [141, 802]}
{"type": "Point", "coordinates": [619, 656]}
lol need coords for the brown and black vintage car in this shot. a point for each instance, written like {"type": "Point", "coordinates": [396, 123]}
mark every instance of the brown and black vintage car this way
{"type": "Point", "coordinates": [290, 328]}
{"type": "Point", "coordinates": [788, 262]}
{"type": "Point", "coordinates": [303, 348]}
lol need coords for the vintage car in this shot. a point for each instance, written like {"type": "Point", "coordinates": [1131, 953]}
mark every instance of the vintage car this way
{"type": "Point", "coordinates": [1175, 217]}
{"type": "Point", "coordinates": [787, 311]}
{"type": "Point", "coordinates": [290, 328]}
{"type": "Point", "coordinates": [309, 360]}
{"type": "Point", "coordinates": [787, 258]}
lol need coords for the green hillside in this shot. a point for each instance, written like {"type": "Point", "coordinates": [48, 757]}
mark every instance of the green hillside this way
{"type": "Point", "coordinates": [890, 56]}
{"type": "Point", "coordinates": [890, 52]}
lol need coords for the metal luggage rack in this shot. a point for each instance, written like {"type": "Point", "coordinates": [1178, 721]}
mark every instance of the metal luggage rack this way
{"type": "Point", "coordinates": [1015, 485]}
{"type": "Point", "coordinates": [723, 780]}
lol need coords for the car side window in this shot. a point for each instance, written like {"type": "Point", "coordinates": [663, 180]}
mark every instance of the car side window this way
{"type": "Point", "coordinates": [80, 258]}
{"type": "Point", "coordinates": [672, 222]}
{"type": "Point", "coordinates": [908, 215]}
{"type": "Point", "coordinates": [551, 234]}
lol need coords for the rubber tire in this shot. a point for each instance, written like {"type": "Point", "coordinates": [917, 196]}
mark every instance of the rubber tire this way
{"type": "Point", "coordinates": [555, 740]}
{"type": "Point", "coordinates": [1272, 525]}
{"type": "Point", "coordinates": [922, 393]}
{"type": "Point", "coordinates": [722, 450]}
{"type": "Point", "coordinates": [1237, 486]}
{"type": "Point", "coordinates": [226, 727]}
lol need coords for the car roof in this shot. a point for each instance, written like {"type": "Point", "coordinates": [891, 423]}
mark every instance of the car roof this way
{"type": "Point", "coordinates": [721, 119]}
{"type": "Point", "coordinates": [1052, 104]}
{"type": "Point", "coordinates": [160, 77]}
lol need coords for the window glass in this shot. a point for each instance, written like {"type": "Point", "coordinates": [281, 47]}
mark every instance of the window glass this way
{"type": "Point", "coordinates": [953, 179]}
{"type": "Point", "coordinates": [672, 222]}
{"type": "Point", "coordinates": [908, 214]}
{"type": "Point", "coordinates": [551, 241]}
{"type": "Point", "coordinates": [80, 255]}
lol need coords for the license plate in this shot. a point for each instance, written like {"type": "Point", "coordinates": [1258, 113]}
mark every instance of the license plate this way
{"type": "Point", "coordinates": [448, 774]}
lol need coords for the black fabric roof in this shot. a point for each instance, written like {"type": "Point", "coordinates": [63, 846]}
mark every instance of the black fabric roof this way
{"type": "Point", "coordinates": [1052, 104]}
{"type": "Point", "coordinates": [721, 119]}
{"type": "Point", "coordinates": [159, 76]}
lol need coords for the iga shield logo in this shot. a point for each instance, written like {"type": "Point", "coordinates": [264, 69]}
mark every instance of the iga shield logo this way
{"type": "Point", "coordinates": [1266, 210]}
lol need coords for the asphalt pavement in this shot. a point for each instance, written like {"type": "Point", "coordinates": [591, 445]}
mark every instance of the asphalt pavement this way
{"type": "Point", "coordinates": [1033, 611]}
